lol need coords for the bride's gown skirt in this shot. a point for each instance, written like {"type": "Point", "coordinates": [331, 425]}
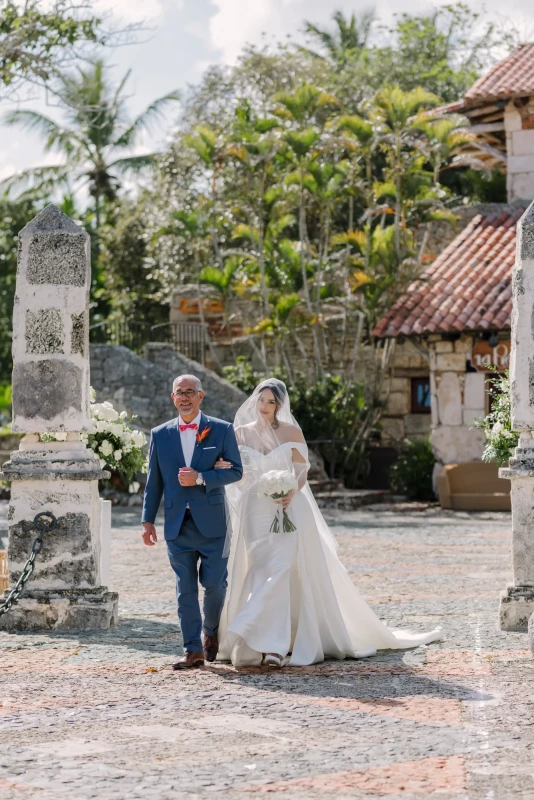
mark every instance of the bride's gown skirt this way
{"type": "Point", "coordinates": [288, 592]}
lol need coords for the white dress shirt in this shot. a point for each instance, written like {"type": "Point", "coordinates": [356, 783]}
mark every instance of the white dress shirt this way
{"type": "Point", "coordinates": [188, 439]}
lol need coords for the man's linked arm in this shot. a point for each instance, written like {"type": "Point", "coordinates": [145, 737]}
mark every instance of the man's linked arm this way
{"type": "Point", "coordinates": [154, 484]}
{"type": "Point", "coordinates": [215, 478]}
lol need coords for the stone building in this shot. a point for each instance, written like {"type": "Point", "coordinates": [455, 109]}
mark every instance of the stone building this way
{"type": "Point", "coordinates": [459, 313]}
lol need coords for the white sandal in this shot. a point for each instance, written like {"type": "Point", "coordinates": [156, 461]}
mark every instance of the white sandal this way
{"type": "Point", "coordinates": [274, 660]}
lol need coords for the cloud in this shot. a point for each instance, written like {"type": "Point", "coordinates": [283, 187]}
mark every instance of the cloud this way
{"type": "Point", "coordinates": [129, 11]}
{"type": "Point", "coordinates": [235, 23]}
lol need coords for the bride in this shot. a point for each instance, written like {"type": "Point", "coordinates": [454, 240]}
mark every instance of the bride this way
{"type": "Point", "coordinates": [290, 600]}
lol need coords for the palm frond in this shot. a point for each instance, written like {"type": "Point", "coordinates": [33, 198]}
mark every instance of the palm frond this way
{"type": "Point", "coordinates": [135, 164]}
{"type": "Point", "coordinates": [146, 120]}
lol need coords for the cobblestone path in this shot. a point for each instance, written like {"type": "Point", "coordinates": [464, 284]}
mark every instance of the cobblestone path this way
{"type": "Point", "coordinates": [104, 716]}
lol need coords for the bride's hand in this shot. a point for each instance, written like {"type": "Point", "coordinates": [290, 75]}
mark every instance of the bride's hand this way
{"type": "Point", "coordinates": [285, 501]}
{"type": "Point", "coordinates": [221, 464]}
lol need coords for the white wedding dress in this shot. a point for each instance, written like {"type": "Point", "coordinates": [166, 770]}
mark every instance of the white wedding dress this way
{"type": "Point", "coordinates": [288, 592]}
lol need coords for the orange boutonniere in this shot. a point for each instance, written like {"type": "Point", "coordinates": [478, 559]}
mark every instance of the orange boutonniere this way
{"type": "Point", "coordinates": [203, 435]}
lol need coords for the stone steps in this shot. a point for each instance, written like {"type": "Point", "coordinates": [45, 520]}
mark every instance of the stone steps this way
{"type": "Point", "coordinates": [350, 499]}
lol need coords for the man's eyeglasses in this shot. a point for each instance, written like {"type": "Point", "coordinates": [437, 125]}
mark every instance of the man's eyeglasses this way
{"type": "Point", "coordinates": [189, 394]}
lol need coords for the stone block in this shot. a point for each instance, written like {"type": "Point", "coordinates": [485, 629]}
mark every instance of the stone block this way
{"type": "Point", "coordinates": [521, 163]}
{"type": "Point", "coordinates": [521, 362]}
{"type": "Point", "coordinates": [80, 333]}
{"type": "Point", "coordinates": [444, 347]}
{"type": "Point", "coordinates": [522, 525]}
{"type": "Point", "coordinates": [63, 611]}
{"type": "Point", "coordinates": [400, 360]}
{"type": "Point", "coordinates": [57, 258]}
{"type": "Point", "coordinates": [44, 332]}
{"type": "Point", "coordinates": [398, 404]}
{"type": "Point", "coordinates": [450, 362]}
{"type": "Point", "coordinates": [449, 399]}
{"type": "Point", "coordinates": [400, 385]}
{"type": "Point", "coordinates": [418, 361]}
{"type": "Point", "coordinates": [520, 185]}
{"type": "Point", "coordinates": [456, 444]}
{"type": "Point", "coordinates": [512, 119]}
{"type": "Point", "coordinates": [67, 559]}
{"type": "Point", "coordinates": [516, 608]}
{"type": "Point", "coordinates": [522, 143]}
{"type": "Point", "coordinates": [392, 429]}
{"type": "Point", "coordinates": [475, 391]}
{"type": "Point", "coordinates": [45, 389]}
{"type": "Point", "coordinates": [463, 345]}
{"type": "Point", "coordinates": [417, 425]}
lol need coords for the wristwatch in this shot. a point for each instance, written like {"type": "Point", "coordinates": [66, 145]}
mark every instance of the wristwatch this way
{"type": "Point", "coordinates": [200, 479]}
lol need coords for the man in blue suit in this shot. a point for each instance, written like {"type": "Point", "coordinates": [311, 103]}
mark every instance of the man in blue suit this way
{"type": "Point", "coordinates": [181, 468]}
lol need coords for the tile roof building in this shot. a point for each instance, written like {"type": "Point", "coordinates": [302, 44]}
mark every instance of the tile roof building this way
{"type": "Point", "coordinates": [513, 77]}
{"type": "Point", "coordinates": [467, 287]}
{"type": "Point", "coordinates": [459, 311]}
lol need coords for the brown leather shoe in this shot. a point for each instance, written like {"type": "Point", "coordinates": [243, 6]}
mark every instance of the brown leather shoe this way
{"type": "Point", "coordinates": [189, 661]}
{"type": "Point", "coordinates": [210, 646]}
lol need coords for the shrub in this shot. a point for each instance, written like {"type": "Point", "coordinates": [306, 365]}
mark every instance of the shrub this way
{"type": "Point", "coordinates": [497, 425]}
{"type": "Point", "coordinates": [411, 474]}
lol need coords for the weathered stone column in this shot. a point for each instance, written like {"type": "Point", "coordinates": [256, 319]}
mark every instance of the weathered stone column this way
{"type": "Point", "coordinates": [517, 602]}
{"type": "Point", "coordinates": [51, 394]}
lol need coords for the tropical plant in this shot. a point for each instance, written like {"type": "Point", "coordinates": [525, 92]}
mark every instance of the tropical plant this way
{"type": "Point", "coordinates": [346, 42]}
{"type": "Point", "coordinates": [96, 134]}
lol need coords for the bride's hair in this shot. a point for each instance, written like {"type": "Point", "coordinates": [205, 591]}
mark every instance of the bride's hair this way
{"type": "Point", "coordinates": [279, 394]}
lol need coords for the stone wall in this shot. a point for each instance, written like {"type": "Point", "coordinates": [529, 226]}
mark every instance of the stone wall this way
{"type": "Point", "coordinates": [519, 127]}
{"type": "Point", "coordinates": [143, 386]}
{"type": "Point", "coordinates": [409, 360]}
{"type": "Point", "coordinates": [458, 397]}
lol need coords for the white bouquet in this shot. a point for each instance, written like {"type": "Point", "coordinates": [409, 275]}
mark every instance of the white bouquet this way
{"type": "Point", "coordinates": [278, 483]}
{"type": "Point", "coordinates": [115, 442]}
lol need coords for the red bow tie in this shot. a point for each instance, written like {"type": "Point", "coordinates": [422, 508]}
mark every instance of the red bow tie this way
{"type": "Point", "coordinates": [193, 427]}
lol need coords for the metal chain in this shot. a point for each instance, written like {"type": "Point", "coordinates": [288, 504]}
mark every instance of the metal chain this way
{"type": "Point", "coordinates": [44, 522]}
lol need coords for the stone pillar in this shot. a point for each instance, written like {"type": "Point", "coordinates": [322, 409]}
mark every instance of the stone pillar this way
{"type": "Point", "coordinates": [51, 394]}
{"type": "Point", "coordinates": [517, 601]}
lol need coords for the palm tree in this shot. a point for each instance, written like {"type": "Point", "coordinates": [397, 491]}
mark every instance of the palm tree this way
{"type": "Point", "coordinates": [443, 143]}
{"type": "Point", "coordinates": [223, 281]}
{"type": "Point", "coordinates": [96, 134]}
{"type": "Point", "coordinates": [306, 110]}
{"type": "Point", "coordinates": [394, 112]}
{"type": "Point", "coordinates": [345, 43]}
{"type": "Point", "coordinates": [254, 145]}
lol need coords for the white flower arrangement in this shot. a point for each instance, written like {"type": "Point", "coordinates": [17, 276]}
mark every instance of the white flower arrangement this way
{"type": "Point", "coordinates": [501, 440]}
{"type": "Point", "coordinates": [278, 483]}
{"type": "Point", "coordinates": [117, 445]}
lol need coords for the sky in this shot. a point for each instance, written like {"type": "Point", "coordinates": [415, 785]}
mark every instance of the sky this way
{"type": "Point", "coordinates": [182, 37]}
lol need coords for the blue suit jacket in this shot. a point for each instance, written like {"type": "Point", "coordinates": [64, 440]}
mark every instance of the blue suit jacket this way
{"type": "Point", "coordinates": [206, 502]}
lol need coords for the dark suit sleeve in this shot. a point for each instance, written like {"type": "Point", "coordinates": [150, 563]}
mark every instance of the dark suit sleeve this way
{"type": "Point", "coordinates": [154, 484]}
{"type": "Point", "coordinates": [215, 478]}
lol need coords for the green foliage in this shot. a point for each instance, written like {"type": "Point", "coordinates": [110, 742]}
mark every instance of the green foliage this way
{"type": "Point", "coordinates": [501, 440]}
{"type": "Point", "coordinates": [443, 50]}
{"type": "Point", "coordinates": [6, 396]}
{"type": "Point", "coordinates": [411, 474]}
{"type": "Point", "coordinates": [36, 37]}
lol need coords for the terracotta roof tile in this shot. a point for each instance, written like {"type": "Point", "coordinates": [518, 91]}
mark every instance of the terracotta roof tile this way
{"type": "Point", "coordinates": [467, 287]}
{"type": "Point", "coordinates": [512, 77]}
